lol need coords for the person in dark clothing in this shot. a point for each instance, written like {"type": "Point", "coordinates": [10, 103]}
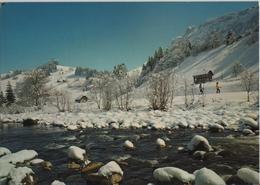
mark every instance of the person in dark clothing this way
{"type": "Point", "coordinates": [217, 88]}
{"type": "Point", "coordinates": [201, 89]}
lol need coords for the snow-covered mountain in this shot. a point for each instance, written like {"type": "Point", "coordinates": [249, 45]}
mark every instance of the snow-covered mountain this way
{"type": "Point", "coordinates": [205, 47]}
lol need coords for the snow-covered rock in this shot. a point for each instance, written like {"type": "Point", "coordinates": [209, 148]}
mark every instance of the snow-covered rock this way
{"type": "Point", "coordinates": [249, 122]}
{"type": "Point", "coordinates": [57, 182]}
{"type": "Point", "coordinates": [5, 169]}
{"type": "Point", "coordinates": [17, 175]}
{"type": "Point", "coordinates": [19, 157]}
{"type": "Point", "coordinates": [72, 127]}
{"type": "Point", "coordinates": [206, 176]}
{"type": "Point", "coordinates": [129, 145]}
{"type": "Point", "coordinates": [247, 131]}
{"type": "Point", "coordinates": [248, 175]}
{"type": "Point", "coordinates": [199, 143]}
{"type": "Point", "coordinates": [36, 161]}
{"type": "Point", "coordinates": [216, 128]}
{"type": "Point", "coordinates": [110, 168]}
{"type": "Point", "coordinates": [4, 151]}
{"type": "Point", "coordinates": [160, 143]}
{"type": "Point", "coordinates": [168, 174]}
{"type": "Point", "coordinates": [77, 153]}
{"type": "Point", "coordinates": [252, 115]}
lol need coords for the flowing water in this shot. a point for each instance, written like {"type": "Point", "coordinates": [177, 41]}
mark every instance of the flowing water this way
{"type": "Point", "coordinates": [105, 145]}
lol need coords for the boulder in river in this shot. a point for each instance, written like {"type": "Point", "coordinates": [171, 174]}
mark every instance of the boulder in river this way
{"type": "Point", "coordinates": [22, 175]}
{"type": "Point", "coordinates": [76, 153]}
{"type": "Point", "coordinates": [109, 174]}
{"type": "Point", "coordinates": [129, 145]}
{"type": "Point", "coordinates": [248, 175]}
{"type": "Point", "coordinates": [199, 143]}
{"type": "Point", "coordinates": [47, 165]}
{"type": "Point", "coordinates": [206, 176]}
{"type": "Point", "coordinates": [92, 167]}
{"type": "Point", "coordinates": [57, 182]}
{"type": "Point", "coordinates": [172, 174]}
{"type": "Point", "coordinates": [160, 143]}
{"type": "Point", "coordinates": [29, 122]}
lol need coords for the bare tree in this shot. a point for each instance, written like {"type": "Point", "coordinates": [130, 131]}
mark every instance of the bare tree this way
{"type": "Point", "coordinates": [102, 91]}
{"type": "Point", "coordinates": [124, 87]}
{"type": "Point", "coordinates": [172, 86]}
{"type": "Point", "coordinates": [158, 92]}
{"type": "Point", "coordinates": [248, 81]}
{"type": "Point", "coordinates": [33, 90]}
{"type": "Point", "coordinates": [62, 101]}
{"type": "Point", "coordinates": [97, 91]}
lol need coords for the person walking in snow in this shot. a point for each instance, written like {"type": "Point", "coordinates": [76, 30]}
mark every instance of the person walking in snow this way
{"type": "Point", "coordinates": [217, 88]}
{"type": "Point", "coordinates": [201, 89]}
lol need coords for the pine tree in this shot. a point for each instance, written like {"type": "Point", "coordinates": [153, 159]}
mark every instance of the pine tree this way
{"type": "Point", "coordinates": [2, 99]}
{"type": "Point", "coordinates": [160, 52]}
{"type": "Point", "coordinates": [10, 98]}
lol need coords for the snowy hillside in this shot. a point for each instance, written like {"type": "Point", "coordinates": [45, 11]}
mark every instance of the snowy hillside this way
{"type": "Point", "coordinates": [205, 45]}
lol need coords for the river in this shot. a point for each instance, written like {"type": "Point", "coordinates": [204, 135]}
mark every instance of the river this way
{"type": "Point", "coordinates": [105, 145]}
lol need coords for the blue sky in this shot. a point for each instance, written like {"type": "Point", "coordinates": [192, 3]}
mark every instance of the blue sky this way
{"type": "Point", "coordinates": [96, 35]}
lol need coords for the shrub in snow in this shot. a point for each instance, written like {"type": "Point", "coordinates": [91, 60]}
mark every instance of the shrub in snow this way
{"type": "Point", "coordinates": [110, 168]}
{"type": "Point", "coordinates": [57, 182]}
{"type": "Point", "coordinates": [77, 153]}
{"type": "Point", "coordinates": [4, 151]}
{"type": "Point", "coordinates": [168, 174]}
{"type": "Point", "coordinates": [21, 175]}
{"type": "Point", "coordinates": [248, 175]}
{"type": "Point", "coordinates": [216, 128]}
{"type": "Point", "coordinates": [19, 157]}
{"type": "Point", "coordinates": [249, 122]}
{"type": "Point", "coordinates": [199, 143]}
{"type": "Point", "coordinates": [160, 143]}
{"type": "Point", "coordinates": [129, 145]}
{"type": "Point", "coordinates": [206, 176]}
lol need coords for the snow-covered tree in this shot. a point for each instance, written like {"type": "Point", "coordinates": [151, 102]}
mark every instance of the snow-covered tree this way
{"type": "Point", "coordinates": [215, 40]}
{"type": "Point", "coordinates": [120, 71]}
{"type": "Point", "coordinates": [248, 81]}
{"type": "Point", "coordinates": [230, 38]}
{"type": "Point", "coordinates": [32, 90]}
{"type": "Point", "coordinates": [10, 97]}
{"type": "Point", "coordinates": [2, 99]}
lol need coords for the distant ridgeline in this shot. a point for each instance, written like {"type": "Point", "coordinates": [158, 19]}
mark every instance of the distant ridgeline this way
{"type": "Point", "coordinates": [212, 34]}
